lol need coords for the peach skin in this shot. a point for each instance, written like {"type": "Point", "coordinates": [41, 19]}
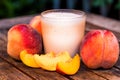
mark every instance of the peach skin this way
{"type": "Point", "coordinates": [36, 23]}
{"type": "Point", "coordinates": [99, 48]}
{"type": "Point", "coordinates": [23, 37]}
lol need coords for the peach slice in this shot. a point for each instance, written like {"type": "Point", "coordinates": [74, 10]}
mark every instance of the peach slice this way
{"type": "Point", "coordinates": [69, 67]}
{"type": "Point", "coordinates": [28, 59]}
{"type": "Point", "coordinates": [49, 62]}
{"type": "Point", "coordinates": [50, 54]}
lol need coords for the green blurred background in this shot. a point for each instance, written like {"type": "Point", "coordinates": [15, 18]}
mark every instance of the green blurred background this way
{"type": "Point", "coordinates": [15, 8]}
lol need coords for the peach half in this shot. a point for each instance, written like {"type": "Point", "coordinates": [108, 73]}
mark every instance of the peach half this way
{"type": "Point", "coordinates": [69, 67]}
{"type": "Point", "coordinates": [28, 59]}
{"type": "Point", "coordinates": [99, 48]}
{"type": "Point", "coordinates": [49, 61]}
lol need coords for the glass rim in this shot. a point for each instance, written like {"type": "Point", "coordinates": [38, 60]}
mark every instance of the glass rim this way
{"type": "Point", "coordinates": [78, 12]}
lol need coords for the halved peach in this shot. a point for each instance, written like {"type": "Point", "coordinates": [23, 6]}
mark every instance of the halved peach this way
{"type": "Point", "coordinates": [48, 62]}
{"type": "Point", "coordinates": [69, 67]}
{"type": "Point", "coordinates": [28, 59]}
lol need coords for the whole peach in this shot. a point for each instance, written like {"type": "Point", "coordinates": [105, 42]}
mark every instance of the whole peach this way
{"type": "Point", "coordinates": [99, 48]}
{"type": "Point", "coordinates": [36, 23]}
{"type": "Point", "coordinates": [23, 37]}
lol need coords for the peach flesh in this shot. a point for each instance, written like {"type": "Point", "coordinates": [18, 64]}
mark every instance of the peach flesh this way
{"type": "Point", "coordinates": [69, 67]}
{"type": "Point", "coordinates": [99, 48]}
{"type": "Point", "coordinates": [28, 59]}
{"type": "Point", "coordinates": [49, 61]}
{"type": "Point", "coordinates": [23, 37]}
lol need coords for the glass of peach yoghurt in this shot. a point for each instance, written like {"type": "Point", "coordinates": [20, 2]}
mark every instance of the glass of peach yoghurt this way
{"type": "Point", "coordinates": [62, 30]}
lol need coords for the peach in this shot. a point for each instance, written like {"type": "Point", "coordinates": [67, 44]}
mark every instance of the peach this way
{"type": "Point", "coordinates": [99, 48]}
{"type": "Point", "coordinates": [28, 59]}
{"type": "Point", "coordinates": [69, 67]}
{"type": "Point", "coordinates": [36, 23]}
{"type": "Point", "coordinates": [23, 37]}
{"type": "Point", "coordinates": [49, 61]}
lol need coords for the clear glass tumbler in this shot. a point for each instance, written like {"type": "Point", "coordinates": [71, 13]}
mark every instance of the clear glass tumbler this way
{"type": "Point", "coordinates": [62, 30]}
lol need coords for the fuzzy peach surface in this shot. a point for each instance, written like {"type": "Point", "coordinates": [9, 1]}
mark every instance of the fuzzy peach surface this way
{"type": "Point", "coordinates": [99, 48]}
{"type": "Point", "coordinates": [23, 37]}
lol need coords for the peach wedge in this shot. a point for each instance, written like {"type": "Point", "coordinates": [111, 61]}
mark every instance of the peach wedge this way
{"type": "Point", "coordinates": [49, 62]}
{"type": "Point", "coordinates": [28, 59]}
{"type": "Point", "coordinates": [69, 67]}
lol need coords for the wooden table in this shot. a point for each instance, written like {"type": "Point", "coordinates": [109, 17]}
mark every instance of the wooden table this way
{"type": "Point", "coordinates": [14, 70]}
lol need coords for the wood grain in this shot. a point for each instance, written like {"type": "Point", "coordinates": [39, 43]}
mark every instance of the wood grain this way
{"type": "Point", "coordinates": [8, 72]}
{"type": "Point", "coordinates": [90, 27]}
{"type": "Point", "coordinates": [85, 74]}
{"type": "Point", "coordinates": [104, 22]}
{"type": "Point", "coordinates": [37, 74]}
{"type": "Point", "coordinates": [7, 23]}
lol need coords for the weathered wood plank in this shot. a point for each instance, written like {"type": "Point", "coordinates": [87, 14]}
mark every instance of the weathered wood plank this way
{"type": "Point", "coordinates": [7, 23]}
{"type": "Point", "coordinates": [85, 74]}
{"type": "Point", "coordinates": [109, 74]}
{"type": "Point", "coordinates": [90, 27]}
{"type": "Point", "coordinates": [104, 22]}
{"type": "Point", "coordinates": [8, 72]}
{"type": "Point", "coordinates": [42, 74]}
{"type": "Point", "coordinates": [37, 74]}
{"type": "Point", "coordinates": [117, 65]}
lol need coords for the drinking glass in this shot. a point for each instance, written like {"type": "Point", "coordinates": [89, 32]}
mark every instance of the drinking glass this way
{"type": "Point", "coordinates": [62, 30]}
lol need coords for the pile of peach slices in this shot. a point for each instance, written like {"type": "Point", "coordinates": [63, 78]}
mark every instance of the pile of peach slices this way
{"type": "Point", "coordinates": [99, 48]}
{"type": "Point", "coordinates": [62, 62]}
